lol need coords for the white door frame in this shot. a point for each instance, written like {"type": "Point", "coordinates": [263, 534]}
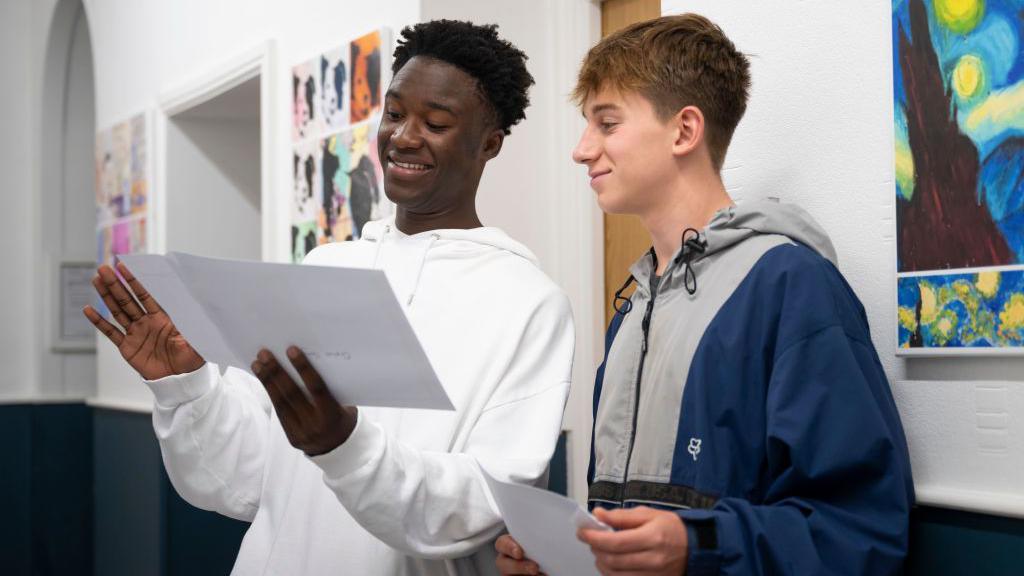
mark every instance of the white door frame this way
{"type": "Point", "coordinates": [256, 62]}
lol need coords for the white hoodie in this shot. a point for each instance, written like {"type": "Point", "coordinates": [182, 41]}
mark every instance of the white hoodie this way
{"type": "Point", "coordinates": [404, 494]}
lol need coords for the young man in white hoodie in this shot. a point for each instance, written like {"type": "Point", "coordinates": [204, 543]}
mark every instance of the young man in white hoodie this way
{"type": "Point", "coordinates": [332, 489]}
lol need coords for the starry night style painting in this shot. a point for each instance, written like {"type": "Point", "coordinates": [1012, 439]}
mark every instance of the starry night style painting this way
{"type": "Point", "coordinates": [958, 74]}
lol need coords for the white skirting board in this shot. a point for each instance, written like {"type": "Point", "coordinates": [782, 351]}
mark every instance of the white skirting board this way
{"type": "Point", "coordinates": [966, 443]}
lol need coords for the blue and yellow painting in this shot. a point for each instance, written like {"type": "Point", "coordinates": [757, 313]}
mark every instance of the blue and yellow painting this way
{"type": "Point", "coordinates": [958, 76]}
{"type": "Point", "coordinates": [971, 310]}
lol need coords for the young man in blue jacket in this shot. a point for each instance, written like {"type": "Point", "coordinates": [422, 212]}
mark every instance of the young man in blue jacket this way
{"type": "Point", "coordinates": [743, 422]}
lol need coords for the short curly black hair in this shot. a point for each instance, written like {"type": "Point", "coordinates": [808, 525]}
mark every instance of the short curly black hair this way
{"type": "Point", "coordinates": [498, 67]}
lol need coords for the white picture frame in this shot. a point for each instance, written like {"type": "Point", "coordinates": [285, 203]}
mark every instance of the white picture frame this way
{"type": "Point", "coordinates": [70, 330]}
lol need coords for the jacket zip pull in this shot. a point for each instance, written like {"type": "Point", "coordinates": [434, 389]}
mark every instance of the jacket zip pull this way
{"type": "Point", "coordinates": [646, 324]}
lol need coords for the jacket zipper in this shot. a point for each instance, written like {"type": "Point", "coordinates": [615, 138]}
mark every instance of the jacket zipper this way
{"type": "Point", "coordinates": [646, 326]}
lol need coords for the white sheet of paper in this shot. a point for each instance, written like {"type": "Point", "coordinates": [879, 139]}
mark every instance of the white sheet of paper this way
{"type": "Point", "coordinates": [346, 320]}
{"type": "Point", "coordinates": [545, 524]}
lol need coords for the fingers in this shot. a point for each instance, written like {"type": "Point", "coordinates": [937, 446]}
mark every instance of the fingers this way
{"type": "Point", "coordinates": [628, 563]}
{"type": "Point", "coordinates": [121, 297]}
{"type": "Point", "coordinates": [284, 411]}
{"type": "Point", "coordinates": [508, 566]}
{"type": "Point", "coordinates": [311, 377]}
{"type": "Point", "coordinates": [119, 316]}
{"type": "Point", "coordinates": [512, 559]}
{"type": "Point", "coordinates": [625, 518]}
{"type": "Point", "coordinates": [280, 384]}
{"type": "Point", "coordinates": [147, 300]}
{"type": "Point", "coordinates": [106, 328]}
{"type": "Point", "coordinates": [620, 542]}
{"type": "Point", "coordinates": [509, 547]}
{"type": "Point", "coordinates": [654, 541]}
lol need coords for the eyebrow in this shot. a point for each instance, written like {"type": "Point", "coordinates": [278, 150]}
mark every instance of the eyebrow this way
{"type": "Point", "coordinates": [392, 93]}
{"type": "Point", "coordinates": [602, 108]}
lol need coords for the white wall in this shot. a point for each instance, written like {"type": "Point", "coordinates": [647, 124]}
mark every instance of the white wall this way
{"type": "Point", "coordinates": [67, 227]}
{"type": "Point", "coordinates": [213, 198]}
{"type": "Point", "coordinates": [34, 224]}
{"type": "Point", "coordinates": [819, 132]}
{"type": "Point", "coordinates": [18, 322]}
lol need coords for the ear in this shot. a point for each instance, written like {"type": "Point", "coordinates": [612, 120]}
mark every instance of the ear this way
{"type": "Point", "coordinates": [492, 144]}
{"type": "Point", "coordinates": [689, 125]}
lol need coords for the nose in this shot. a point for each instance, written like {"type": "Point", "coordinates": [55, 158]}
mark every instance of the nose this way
{"type": "Point", "coordinates": [586, 150]}
{"type": "Point", "coordinates": [407, 135]}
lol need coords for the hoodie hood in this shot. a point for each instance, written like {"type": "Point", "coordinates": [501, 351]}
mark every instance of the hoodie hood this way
{"type": "Point", "coordinates": [728, 228]}
{"type": "Point", "coordinates": [440, 243]}
{"type": "Point", "coordinates": [381, 231]}
{"type": "Point", "coordinates": [735, 224]}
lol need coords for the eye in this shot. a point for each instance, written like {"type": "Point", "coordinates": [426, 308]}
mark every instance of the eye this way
{"type": "Point", "coordinates": [607, 126]}
{"type": "Point", "coordinates": [436, 127]}
{"type": "Point", "coordinates": [393, 116]}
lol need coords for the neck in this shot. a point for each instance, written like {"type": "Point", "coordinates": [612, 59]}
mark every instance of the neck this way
{"type": "Point", "coordinates": [462, 217]}
{"type": "Point", "coordinates": [690, 204]}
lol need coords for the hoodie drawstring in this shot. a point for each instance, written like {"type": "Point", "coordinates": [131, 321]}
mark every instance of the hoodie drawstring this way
{"type": "Point", "coordinates": [380, 243]}
{"type": "Point", "coordinates": [419, 270]}
{"type": "Point", "coordinates": [622, 304]}
{"type": "Point", "coordinates": [692, 247]}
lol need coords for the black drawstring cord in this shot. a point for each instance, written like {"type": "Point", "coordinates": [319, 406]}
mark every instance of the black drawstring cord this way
{"type": "Point", "coordinates": [692, 247]}
{"type": "Point", "coordinates": [622, 304]}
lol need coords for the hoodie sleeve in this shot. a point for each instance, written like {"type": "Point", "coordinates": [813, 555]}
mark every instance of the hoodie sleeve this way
{"type": "Point", "coordinates": [213, 433]}
{"type": "Point", "coordinates": [838, 491]}
{"type": "Point", "coordinates": [436, 505]}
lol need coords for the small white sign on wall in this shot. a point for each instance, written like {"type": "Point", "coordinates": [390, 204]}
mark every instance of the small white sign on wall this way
{"type": "Point", "coordinates": [72, 331]}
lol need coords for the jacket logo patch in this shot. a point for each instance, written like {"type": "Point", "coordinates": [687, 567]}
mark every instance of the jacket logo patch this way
{"type": "Point", "coordinates": [694, 448]}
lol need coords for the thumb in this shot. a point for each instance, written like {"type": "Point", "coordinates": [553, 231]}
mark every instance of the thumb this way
{"type": "Point", "coordinates": [625, 518]}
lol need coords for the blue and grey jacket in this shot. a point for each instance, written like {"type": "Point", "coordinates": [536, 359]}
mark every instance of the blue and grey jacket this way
{"type": "Point", "coordinates": [744, 392]}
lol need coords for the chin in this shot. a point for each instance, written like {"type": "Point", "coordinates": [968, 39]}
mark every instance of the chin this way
{"type": "Point", "coordinates": [611, 203]}
{"type": "Point", "coordinates": [404, 195]}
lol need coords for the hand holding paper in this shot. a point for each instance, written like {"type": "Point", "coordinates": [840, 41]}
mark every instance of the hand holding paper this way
{"type": "Point", "coordinates": [544, 524]}
{"type": "Point", "coordinates": [315, 425]}
{"type": "Point", "coordinates": [645, 540]}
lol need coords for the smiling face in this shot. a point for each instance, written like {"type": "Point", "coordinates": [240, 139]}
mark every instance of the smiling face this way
{"type": "Point", "coordinates": [628, 151]}
{"type": "Point", "coordinates": [435, 136]}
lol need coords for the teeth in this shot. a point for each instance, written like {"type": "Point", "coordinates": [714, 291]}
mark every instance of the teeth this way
{"type": "Point", "coordinates": [408, 166]}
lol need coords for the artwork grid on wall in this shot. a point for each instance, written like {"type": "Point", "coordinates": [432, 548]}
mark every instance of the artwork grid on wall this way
{"type": "Point", "coordinates": [338, 181]}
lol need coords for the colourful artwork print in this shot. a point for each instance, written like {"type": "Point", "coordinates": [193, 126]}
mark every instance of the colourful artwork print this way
{"type": "Point", "coordinates": [959, 110]}
{"type": "Point", "coordinates": [121, 170]}
{"type": "Point", "coordinates": [303, 240]}
{"type": "Point", "coordinates": [335, 216]}
{"type": "Point", "coordinates": [306, 196]}
{"type": "Point", "coordinates": [366, 76]}
{"type": "Point", "coordinates": [304, 101]}
{"type": "Point", "coordinates": [353, 183]}
{"type": "Point", "coordinates": [958, 78]}
{"type": "Point", "coordinates": [974, 310]}
{"type": "Point", "coordinates": [125, 236]}
{"type": "Point", "coordinates": [333, 88]}
{"type": "Point", "coordinates": [306, 183]}
{"type": "Point", "coordinates": [122, 189]}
